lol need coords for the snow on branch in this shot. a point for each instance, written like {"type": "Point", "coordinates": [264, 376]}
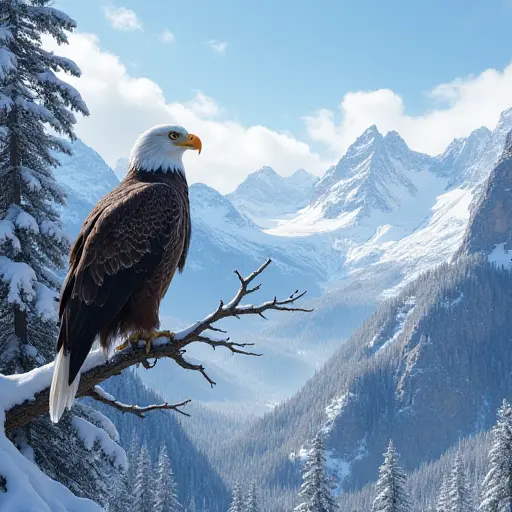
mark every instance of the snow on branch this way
{"type": "Point", "coordinates": [29, 396]}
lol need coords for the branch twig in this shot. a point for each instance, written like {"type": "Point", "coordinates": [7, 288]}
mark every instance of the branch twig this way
{"type": "Point", "coordinates": [100, 396]}
{"type": "Point", "coordinates": [96, 369]}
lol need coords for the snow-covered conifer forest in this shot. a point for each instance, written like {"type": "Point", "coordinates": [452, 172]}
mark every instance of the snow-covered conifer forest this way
{"type": "Point", "coordinates": [385, 388]}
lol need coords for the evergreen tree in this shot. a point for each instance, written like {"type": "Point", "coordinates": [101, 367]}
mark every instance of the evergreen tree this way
{"type": "Point", "coordinates": [32, 242]}
{"type": "Point", "coordinates": [191, 500]}
{"type": "Point", "coordinates": [316, 491]}
{"type": "Point", "coordinates": [33, 246]}
{"type": "Point", "coordinates": [497, 485]}
{"type": "Point", "coordinates": [391, 493]}
{"type": "Point", "coordinates": [252, 502]}
{"type": "Point", "coordinates": [121, 499]}
{"type": "Point", "coordinates": [459, 495]}
{"type": "Point", "coordinates": [443, 501]}
{"type": "Point", "coordinates": [237, 500]}
{"type": "Point", "coordinates": [191, 505]}
{"type": "Point", "coordinates": [144, 482]}
{"type": "Point", "coordinates": [133, 454]}
{"type": "Point", "coordinates": [166, 495]}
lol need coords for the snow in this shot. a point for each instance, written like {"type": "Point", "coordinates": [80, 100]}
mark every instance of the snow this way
{"type": "Point", "coordinates": [402, 314]}
{"type": "Point", "coordinates": [21, 278]}
{"type": "Point", "coordinates": [91, 434]}
{"type": "Point", "coordinates": [266, 196]}
{"type": "Point", "coordinates": [38, 110]}
{"type": "Point", "coordinates": [46, 302]}
{"type": "Point", "coordinates": [30, 489]}
{"type": "Point", "coordinates": [5, 34]}
{"type": "Point", "coordinates": [333, 410]}
{"type": "Point", "coordinates": [31, 181]}
{"type": "Point", "coordinates": [18, 388]}
{"type": "Point", "coordinates": [104, 394]}
{"type": "Point", "coordinates": [68, 91]}
{"type": "Point", "coordinates": [8, 62]}
{"type": "Point", "coordinates": [51, 12]}
{"type": "Point", "coordinates": [62, 62]}
{"type": "Point", "coordinates": [104, 422]}
{"type": "Point", "coordinates": [53, 230]}
{"type": "Point", "coordinates": [501, 257]}
{"type": "Point", "coordinates": [7, 233]}
{"type": "Point", "coordinates": [24, 220]}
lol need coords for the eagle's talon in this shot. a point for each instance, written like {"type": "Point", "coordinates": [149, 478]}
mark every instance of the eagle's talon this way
{"type": "Point", "coordinates": [165, 334]}
{"type": "Point", "coordinates": [122, 346]}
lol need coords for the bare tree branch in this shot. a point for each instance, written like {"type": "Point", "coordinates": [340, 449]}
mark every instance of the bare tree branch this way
{"type": "Point", "coordinates": [97, 369]}
{"type": "Point", "coordinates": [99, 395]}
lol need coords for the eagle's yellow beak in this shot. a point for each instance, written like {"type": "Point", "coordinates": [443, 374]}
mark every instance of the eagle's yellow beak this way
{"type": "Point", "coordinates": [193, 142]}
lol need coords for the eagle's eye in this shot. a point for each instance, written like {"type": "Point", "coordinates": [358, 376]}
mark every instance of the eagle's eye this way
{"type": "Point", "coordinates": [173, 135]}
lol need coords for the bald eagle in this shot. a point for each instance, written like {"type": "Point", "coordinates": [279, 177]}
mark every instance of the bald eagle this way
{"type": "Point", "coordinates": [124, 258]}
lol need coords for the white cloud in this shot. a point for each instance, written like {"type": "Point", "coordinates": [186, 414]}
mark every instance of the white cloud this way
{"type": "Point", "coordinates": [203, 105]}
{"type": "Point", "coordinates": [166, 36]}
{"type": "Point", "coordinates": [122, 106]}
{"type": "Point", "coordinates": [461, 106]}
{"type": "Point", "coordinates": [218, 46]}
{"type": "Point", "coordinates": [122, 18]}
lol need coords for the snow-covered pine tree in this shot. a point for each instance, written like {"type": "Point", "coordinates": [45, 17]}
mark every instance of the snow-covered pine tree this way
{"type": "Point", "coordinates": [36, 108]}
{"type": "Point", "coordinates": [237, 499]}
{"type": "Point", "coordinates": [121, 497]}
{"type": "Point", "coordinates": [459, 496]}
{"type": "Point", "coordinates": [316, 488]}
{"type": "Point", "coordinates": [497, 485]}
{"type": "Point", "coordinates": [442, 501]}
{"type": "Point", "coordinates": [390, 488]}
{"type": "Point", "coordinates": [190, 501]}
{"type": "Point", "coordinates": [252, 501]}
{"type": "Point", "coordinates": [166, 498]}
{"type": "Point", "coordinates": [144, 482]}
{"type": "Point", "coordinates": [133, 454]}
{"type": "Point", "coordinates": [32, 240]}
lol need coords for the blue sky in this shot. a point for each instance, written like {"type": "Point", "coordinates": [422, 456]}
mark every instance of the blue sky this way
{"type": "Point", "coordinates": [275, 61]}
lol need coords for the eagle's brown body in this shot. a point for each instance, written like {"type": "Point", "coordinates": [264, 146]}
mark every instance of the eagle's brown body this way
{"type": "Point", "coordinates": [123, 262]}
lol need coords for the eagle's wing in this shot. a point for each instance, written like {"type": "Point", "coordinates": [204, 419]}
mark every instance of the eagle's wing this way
{"type": "Point", "coordinates": [121, 244]}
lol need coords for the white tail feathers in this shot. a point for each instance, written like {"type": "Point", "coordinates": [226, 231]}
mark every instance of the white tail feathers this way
{"type": "Point", "coordinates": [62, 394]}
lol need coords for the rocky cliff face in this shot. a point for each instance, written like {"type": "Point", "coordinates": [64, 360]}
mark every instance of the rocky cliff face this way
{"type": "Point", "coordinates": [489, 231]}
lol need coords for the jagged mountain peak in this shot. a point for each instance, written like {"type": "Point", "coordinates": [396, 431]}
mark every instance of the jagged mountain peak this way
{"type": "Point", "coordinates": [505, 117]}
{"type": "Point", "coordinates": [303, 175]}
{"type": "Point", "coordinates": [372, 175]}
{"type": "Point", "coordinates": [266, 195]}
{"type": "Point", "coordinates": [456, 161]}
{"type": "Point", "coordinates": [212, 208]}
{"type": "Point", "coordinates": [393, 137]}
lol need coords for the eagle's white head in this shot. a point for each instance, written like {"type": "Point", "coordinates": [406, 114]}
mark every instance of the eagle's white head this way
{"type": "Point", "coordinates": [161, 149]}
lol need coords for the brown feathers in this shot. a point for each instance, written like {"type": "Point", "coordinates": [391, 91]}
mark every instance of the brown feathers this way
{"type": "Point", "coordinates": [123, 261]}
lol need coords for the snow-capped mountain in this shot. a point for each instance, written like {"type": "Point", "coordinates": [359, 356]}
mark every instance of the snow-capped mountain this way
{"type": "Point", "coordinates": [480, 170]}
{"type": "Point", "coordinates": [381, 265]}
{"type": "Point", "coordinates": [224, 238]}
{"type": "Point", "coordinates": [459, 157]}
{"type": "Point", "coordinates": [85, 178]}
{"type": "Point", "coordinates": [265, 195]}
{"type": "Point", "coordinates": [406, 212]}
{"type": "Point", "coordinates": [379, 183]}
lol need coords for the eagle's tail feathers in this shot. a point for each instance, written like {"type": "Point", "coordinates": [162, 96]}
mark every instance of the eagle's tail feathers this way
{"type": "Point", "coordinates": [62, 394]}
